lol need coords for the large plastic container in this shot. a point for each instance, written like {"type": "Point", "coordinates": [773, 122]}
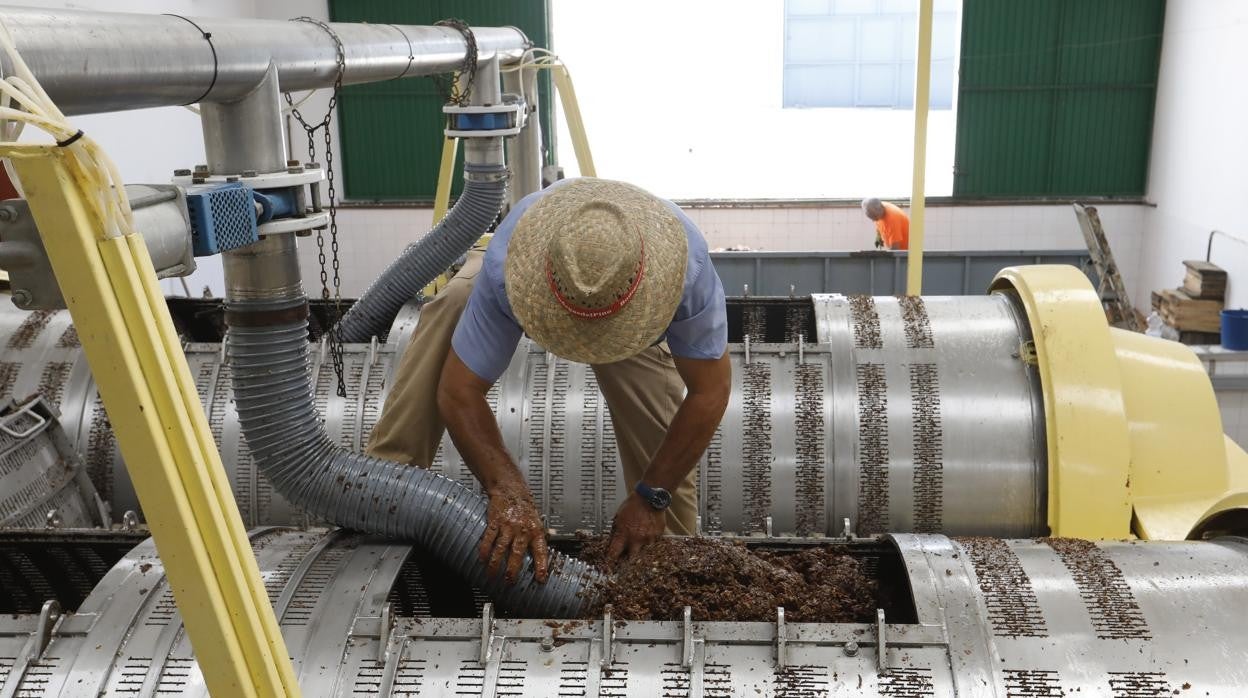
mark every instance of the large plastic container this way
{"type": "Point", "coordinates": [1235, 329]}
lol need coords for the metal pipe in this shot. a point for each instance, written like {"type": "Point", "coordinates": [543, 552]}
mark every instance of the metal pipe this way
{"type": "Point", "coordinates": [106, 61]}
{"type": "Point", "coordinates": [486, 92]}
{"type": "Point", "coordinates": [1209, 244]}
{"type": "Point", "coordinates": [525, 151]}
{"type": "Point", "coordinates": [247, 134]}
{"type": "Point", "coordinates": [242, 136]}
{"type": "Point", "coordinates": [266, 269]}
{"type": "Point", "coordinates": [922, 92]}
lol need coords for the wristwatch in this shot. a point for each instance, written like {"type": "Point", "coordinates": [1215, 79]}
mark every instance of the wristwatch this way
{"type": "Point", "coordinates": [657, 497]}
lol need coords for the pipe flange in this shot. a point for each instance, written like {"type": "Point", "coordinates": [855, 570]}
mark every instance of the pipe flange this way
{"type": "Point", "coordinates": [268, 180]}
{"type": "Point", "coordinates": [311, 221]}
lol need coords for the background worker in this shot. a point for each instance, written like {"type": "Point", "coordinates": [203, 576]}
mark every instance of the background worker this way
{"type": "Point", "coordinates": [598, 272]}
{"type": "Point", "coordinates": [892, 225]}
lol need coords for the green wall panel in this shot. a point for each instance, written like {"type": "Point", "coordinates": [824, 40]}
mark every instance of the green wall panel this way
{"type": "Point", "coordinates": [1055, 97]}
{"type": "Point", "coordinates": [391, 132]}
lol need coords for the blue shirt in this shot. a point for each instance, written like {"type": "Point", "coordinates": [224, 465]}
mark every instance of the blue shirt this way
{"type": "Point", "coordinates": [487, 333]}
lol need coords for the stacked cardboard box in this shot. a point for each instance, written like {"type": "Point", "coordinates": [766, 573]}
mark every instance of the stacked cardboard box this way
{"type": "Point", "coordinates": [1195, 308]}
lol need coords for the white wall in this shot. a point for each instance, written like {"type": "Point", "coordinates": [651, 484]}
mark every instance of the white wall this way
{"type": "Point", "coordinates": [684, 98]}
{"type": "Point", "coordinates": [1198, 176]}
{"type": "Point", "coordinates": [1199, 171]}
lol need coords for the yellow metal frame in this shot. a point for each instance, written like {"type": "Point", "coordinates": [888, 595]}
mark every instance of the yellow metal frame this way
{"type": "Point", "coordinates": [1181, 462]}
{"type": "Point", "coordinates": [918, 199]}
{"type": "Point", "coordinates": [1088, 446]}
{"type": "Point", "coordinates": [446, 170]}
{"type": "Point", "coordinates": [1134, 436]}
{"type": "Point", "coordinates": [126, 332]}
{"type": "Point", "coordinates": [576, 124]}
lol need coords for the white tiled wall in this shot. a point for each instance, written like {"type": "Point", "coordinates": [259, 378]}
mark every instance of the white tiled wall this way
{"type": "Point", "coordinates": [372, 237]}
{"type": "Point", "coordinates": [948, 227]}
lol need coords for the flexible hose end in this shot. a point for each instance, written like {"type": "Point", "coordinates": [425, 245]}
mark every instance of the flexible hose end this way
{"type": "Point", "coordinates": [485, 190]}
{"type": "Point", "coordinates": [268, 350]}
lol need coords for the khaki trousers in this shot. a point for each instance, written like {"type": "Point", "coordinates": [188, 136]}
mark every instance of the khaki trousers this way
{"type": "Point", "coordinates": [642, 394]}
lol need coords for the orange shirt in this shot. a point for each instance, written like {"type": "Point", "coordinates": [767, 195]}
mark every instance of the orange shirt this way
{"type": "Point", "coordinates": [894, 228]}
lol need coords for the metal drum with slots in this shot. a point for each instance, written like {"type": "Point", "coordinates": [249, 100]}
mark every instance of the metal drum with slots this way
{"type": "Point", "coordinates": [898, 415]}
{"type": "Point", "coordinates": [914, 414]}
{"type": "Point", "coordinates": [364, 617]}
{"type": "Point", "coordinates": [42, 481]}
{"type": "Point", "coordinates": [40, 354]}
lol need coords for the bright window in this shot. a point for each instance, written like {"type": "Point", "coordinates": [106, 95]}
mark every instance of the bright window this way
{"type": "Point", "coordinates": [860, 53]}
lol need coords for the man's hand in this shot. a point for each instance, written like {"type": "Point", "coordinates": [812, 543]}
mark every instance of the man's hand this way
{"type": "Point", "coordinates": [637, 524]}
{"type": "Point", "coordinates": [513, 527]}
{"type": "Point", "coordinates": [879, 242]}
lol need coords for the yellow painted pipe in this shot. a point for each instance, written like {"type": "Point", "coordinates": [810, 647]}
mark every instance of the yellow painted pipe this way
{"type": "Point", "coordinates": [127, 335]}
{"type": "Point", "coordinates": [922, 92]}
{"type": "Point", "coordinates": [576, 124]}
{"type": "Point", "coordinates": [446, 171]}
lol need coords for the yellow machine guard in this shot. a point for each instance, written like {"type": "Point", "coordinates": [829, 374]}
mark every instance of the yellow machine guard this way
{"type": "Point", "coordinates": [1134, 436]}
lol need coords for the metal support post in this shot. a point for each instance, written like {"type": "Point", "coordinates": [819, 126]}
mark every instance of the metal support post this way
{"type": "Point", "coordinates": [486, 92]}
{"type": "Point", "coordinates": [241, 136]}
{"type": "Point", "coordinates": [524, 156]}
{"type": "Point", "coordinates": [922, 91]}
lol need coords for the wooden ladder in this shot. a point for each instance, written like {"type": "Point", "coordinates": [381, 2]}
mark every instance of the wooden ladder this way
{"type": "Point", "coordinates": [1113, 291]}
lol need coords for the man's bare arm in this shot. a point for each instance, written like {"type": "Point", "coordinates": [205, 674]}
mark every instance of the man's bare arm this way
{"type": "Point", "coordinates": [514, 525]}
{"type": "Point", "coordinates": [709, 385]}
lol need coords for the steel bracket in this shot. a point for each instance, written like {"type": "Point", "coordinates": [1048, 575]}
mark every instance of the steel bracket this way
{"type": "Point", "coordinates": [48, 615]}
{"type": "Point", "coordinates": [782, 649]}
{"type": "Point", "coordinates": [881, 644]}
{"type": "Point", "coordinates": [692, 654]}
{"type": "Point", "coordinates": [608, 637]}
{"type": "Point", "coordinates": [491, 651]}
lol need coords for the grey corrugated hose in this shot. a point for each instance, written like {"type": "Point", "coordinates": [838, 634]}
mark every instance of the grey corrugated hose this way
{"type": "Point", "coordinates": [485, 188]}
{"type": "Point", "coordinates": [268, 349]}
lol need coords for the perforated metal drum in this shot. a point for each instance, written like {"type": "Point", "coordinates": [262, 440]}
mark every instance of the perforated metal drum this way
{"type": "Point", "coordinates": [898, 415]}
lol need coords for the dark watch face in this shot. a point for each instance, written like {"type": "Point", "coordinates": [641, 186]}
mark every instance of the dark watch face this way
{"type": "Point", "coordinates": [660, 498]}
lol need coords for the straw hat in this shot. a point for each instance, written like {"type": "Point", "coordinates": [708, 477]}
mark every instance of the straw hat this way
{"type": "Point", "coordinates": [595, 270]}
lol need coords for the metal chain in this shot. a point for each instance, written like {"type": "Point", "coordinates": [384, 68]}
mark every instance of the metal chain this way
{"type": "Point", "coordinates": [449, 86]}
{"type": "Point", "coordinates": [335, 337]}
